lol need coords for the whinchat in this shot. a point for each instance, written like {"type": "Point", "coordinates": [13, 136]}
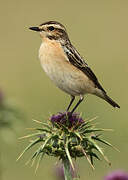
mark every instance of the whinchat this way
{"type": "Point", "coordinates": [64, 65]}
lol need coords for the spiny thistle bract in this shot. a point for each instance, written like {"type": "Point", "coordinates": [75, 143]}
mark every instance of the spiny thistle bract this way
{"type": "Point", "coordinates": [66, 136]}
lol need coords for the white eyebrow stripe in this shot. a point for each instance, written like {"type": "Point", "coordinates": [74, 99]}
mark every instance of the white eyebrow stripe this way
{"type": "Point", "coordinates": [57, 26]}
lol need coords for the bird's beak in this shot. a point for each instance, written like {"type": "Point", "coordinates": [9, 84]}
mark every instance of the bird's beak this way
{"type": "Point", "coordinates": [35, 28]}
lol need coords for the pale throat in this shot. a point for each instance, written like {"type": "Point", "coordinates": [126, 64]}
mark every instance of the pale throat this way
{"type": "Point", "coordinates": [51, 50]}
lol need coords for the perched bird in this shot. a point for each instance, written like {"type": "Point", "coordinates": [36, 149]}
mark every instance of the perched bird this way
{"type": "Point", "coordinates": [64, 65]}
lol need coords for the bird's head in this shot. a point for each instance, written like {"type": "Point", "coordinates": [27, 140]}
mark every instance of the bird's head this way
{"type": "Point", "coordinates": [52, 30]}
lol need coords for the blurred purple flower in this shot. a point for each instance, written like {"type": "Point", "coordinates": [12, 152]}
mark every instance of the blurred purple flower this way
{"type": "Point", "coordinates": [117, 175]}
{"type": "Point", "coordinates": [66, 118]}
{"type": "Point", "coordinates": [59, 172]}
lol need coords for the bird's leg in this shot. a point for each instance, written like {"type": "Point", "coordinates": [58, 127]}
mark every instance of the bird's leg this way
{"type": "Point", "coordinates": [80, 100]}
{"type": "Point", "coordinates": [72, 99]}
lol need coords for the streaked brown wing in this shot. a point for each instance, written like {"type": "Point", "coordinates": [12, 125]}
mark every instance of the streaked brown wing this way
{"type": "Point", "coordinates": [76, 60]}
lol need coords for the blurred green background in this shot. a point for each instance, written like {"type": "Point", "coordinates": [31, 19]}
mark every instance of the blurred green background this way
{"type": "Point", "coordinates": [99, 30]}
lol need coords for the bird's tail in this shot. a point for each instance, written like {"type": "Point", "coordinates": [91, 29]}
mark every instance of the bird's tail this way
{"type": "Point", "coordinates": [110, 101]}
{"type": "Point", "coordinates": [104, 96]}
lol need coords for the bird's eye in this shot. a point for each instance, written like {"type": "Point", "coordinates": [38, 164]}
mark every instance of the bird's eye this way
{"type": "Point", "coordinates": [51, 28]}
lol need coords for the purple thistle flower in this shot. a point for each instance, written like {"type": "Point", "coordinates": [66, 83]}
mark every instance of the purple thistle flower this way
{"type": "Point", "coordinates": [66, 118]}
{"type": "Point", "coordinates": [117, 175]}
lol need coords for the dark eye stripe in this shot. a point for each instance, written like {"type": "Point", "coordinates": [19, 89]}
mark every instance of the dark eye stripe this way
{"type": "Point", "coordinates": [60, 30]}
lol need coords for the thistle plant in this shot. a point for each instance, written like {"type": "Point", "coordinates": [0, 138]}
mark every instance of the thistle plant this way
{"type": "Point", "coordinates": [66, 136]}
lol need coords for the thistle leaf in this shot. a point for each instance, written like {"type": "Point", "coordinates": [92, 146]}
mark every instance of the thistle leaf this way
{"type": "Point", "coordinates": [105, 142]}
{"type": "Point", "coordinates": [87, 122]}
{"type": "Point", "coordinates": [39, 151]}
{"type": "Point", "coordinates": [43, 123]}
{"type": "Point", "coordinates": [91, 159]}
{"type": "Point", "coordinates": [100, 151]}
{"type": "Point", "coordinates": [30, 135]}
{"type": "Point", "coordinates": [39, 160]}
{"type": "Point", "coordinates": [69, 157]}
{"type": "Point", "coordinates": [28, 147]}
{"type": "Point", "coordinates": [44, 130]}
{"type": "Point", "coordinates": [94, 155]}
{"type": "Point", "coordinates": [78, 135]}
{"type": "Point", "coordinates": [91, 130]}
{"type": "Point", "coordinates": [85, 154]}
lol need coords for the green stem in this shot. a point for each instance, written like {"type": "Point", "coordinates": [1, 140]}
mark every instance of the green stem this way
{"type": "Point", "coordinates": [67, 171]}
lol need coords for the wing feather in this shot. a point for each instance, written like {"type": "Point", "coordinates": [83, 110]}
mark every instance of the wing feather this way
{"type": "Point", "coordinates": [76, 60]}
